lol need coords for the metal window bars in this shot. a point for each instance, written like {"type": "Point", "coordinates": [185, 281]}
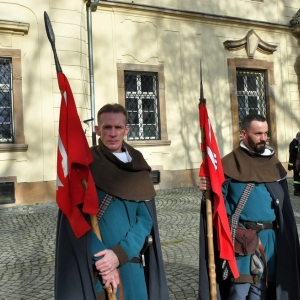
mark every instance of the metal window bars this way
{"type": "Point", "coordinates": [251, 93]}
{"type": "Point", "coordinates": [6, 104]}
{"type": "Point", "coordinates": [142, 104]}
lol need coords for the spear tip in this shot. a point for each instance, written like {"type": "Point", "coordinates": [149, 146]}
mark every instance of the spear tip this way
{"type": "Point", "coordinates": [51, 38]}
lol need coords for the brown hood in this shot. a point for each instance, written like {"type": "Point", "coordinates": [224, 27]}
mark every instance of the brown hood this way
{"type": "Point", "coordinates": [245, 166]}
{"type": "Point", "coordinates": [130, 181]}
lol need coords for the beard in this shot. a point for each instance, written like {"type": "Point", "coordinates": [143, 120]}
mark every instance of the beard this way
{"type": "Point", "coordinates": [257, 147]}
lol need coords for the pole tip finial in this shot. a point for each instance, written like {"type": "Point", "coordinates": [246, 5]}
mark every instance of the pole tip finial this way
{"type": "Point", "coordinates": [202, 101]}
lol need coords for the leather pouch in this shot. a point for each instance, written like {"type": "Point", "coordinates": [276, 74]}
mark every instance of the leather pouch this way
{"type": "Point", "coordinates": [246, 241]}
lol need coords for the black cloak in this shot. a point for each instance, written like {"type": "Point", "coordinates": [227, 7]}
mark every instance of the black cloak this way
{"type": "Point", "coordinates": [74, 279]}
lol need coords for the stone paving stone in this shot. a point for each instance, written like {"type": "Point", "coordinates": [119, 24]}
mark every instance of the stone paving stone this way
{"type": "Point", "coordinates": [27, 239]}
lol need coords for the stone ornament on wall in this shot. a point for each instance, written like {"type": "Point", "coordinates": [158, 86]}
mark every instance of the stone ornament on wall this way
{"type": "Point", "coordinates": [8, 29]}
{"type": "Point", "coordinates": [295, 22]}
{"type": "Point", "coordinates": [252, 42]}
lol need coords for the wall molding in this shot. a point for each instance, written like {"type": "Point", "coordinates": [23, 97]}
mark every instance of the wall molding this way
{"type": "Point", "coordinates": [16, 28]}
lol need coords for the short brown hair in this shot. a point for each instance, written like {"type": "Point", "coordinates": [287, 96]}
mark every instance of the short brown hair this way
{"type": "Point", "coordinates": [246, 122]}
{"type": "Point", "coordinates": [112, 108]}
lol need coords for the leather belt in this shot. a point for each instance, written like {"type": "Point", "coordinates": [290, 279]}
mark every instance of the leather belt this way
{"type": "Point", "coordinates": [136, 259]}
{"type": "Point", "coordinates": [258, 226]}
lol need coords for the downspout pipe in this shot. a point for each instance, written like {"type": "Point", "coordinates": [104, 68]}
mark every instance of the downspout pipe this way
{"type": "Point", "coordinates": [91, 66]}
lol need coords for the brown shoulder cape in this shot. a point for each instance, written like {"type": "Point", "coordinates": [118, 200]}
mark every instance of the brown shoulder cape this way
{"type": "Point", "coordinates": [244, 166]}
{"type": "Point", "coordinates": [130, 181]}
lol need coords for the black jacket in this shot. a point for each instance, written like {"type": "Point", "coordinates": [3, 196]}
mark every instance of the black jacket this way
{"type": "Point", "coordinates": [293, 151]}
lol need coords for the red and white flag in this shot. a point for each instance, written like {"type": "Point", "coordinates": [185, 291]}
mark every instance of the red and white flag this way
{"type": "Point", "coordinates": [212, 167]}
{"type": "Point", "coordinates": [73, 159]}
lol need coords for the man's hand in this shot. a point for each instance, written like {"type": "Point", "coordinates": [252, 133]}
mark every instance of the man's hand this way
{"type": "Point", "coordinates": [204, 184]}
{"type": "Point", "coordinates": [112, 279]}
{"type": "Point", "coordinates": [108, 263]}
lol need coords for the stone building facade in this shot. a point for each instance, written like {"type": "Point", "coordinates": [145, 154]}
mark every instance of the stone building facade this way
{"type": "Point", "coordinates": [147, 55]}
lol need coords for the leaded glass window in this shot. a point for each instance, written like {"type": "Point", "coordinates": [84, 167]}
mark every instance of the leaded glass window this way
{"type": "Point", "coordinates": [141, 102]}
{"type": "Point", "coordinates": [251, 93]}
{"type": "Point", "coordinates": [6, 128]}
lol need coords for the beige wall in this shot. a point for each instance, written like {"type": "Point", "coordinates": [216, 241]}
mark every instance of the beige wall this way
{"type": "Point", "coordinates": [35, 169]}
{"type": "Point", "coordinates": [177, 37]}
{"type": "Point", "coordinates": [159, 37]}
{"type": "Point", "coordinates": [275, 11]}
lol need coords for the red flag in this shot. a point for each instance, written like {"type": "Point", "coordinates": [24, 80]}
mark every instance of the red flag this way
{"type": "Point", "coordinates": [212, 167]}
{"type": "Point", "coordinates": [73, 159]}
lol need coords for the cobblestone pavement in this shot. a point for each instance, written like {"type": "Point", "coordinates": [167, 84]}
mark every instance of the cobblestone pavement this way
{"type": "Point", "coordinates": [27, 245]}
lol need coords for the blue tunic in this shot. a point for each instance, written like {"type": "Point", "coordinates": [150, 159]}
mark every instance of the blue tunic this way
{"type": "Point", "coordinates": [125, 223]}
{"type": "Point", "coordinates": [257, 209]}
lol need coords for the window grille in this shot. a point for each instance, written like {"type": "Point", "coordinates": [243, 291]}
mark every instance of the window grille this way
{"type": "Point", "coordinates": [7, 192]}
{"type": "Point", "coordinates": [6, 130]}
{"type": "Point", "coordinates": [251, 93]}
{"type": "Point", "coordinates": [141, 102]}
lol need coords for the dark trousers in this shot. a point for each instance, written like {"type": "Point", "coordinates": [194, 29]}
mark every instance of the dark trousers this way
{"type": "Point", "coordinates": [296, 181]}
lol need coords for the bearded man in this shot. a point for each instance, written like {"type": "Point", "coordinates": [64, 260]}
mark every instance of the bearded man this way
{"type": "Point", "coordinates": [272, 270]}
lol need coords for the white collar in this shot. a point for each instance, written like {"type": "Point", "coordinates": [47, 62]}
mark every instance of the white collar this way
{"type": "Point", "coordinates": [268, 150]}
{"type": "Point", "coordinates": [123, 156]}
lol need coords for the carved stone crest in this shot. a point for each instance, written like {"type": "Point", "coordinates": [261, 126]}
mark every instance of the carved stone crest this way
{"type": "Point", "coordinates": [295, 22]}
{"type": "Point", "coordinates": [295, 19]}
{"type": "Point", "coordinates": [251, 42]}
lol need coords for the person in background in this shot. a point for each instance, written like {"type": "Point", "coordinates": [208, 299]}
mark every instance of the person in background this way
{"type": "Point", "coordinates": [293, 151]}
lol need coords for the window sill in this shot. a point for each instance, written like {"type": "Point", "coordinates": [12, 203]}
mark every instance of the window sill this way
{"type": "Point", "coordinates": [13, 148]}
{"type": "Point", "coordinates": [148, 143]}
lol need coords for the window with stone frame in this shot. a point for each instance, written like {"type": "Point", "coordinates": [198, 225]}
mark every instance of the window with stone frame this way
{"type": "Point", "coordinates": [251, 91]}
{"type": "Point", "coordinates": [141, 91]}
{"type": "Point", "coordinates": [141, 102]}
{"type": "Point", "coordinates": [6, 124]}
{"type": "Point", "coordinates": [12, 137]}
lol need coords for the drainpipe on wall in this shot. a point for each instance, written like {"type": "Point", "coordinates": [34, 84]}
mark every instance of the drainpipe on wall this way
{"type": "Point", "coordinates": [90, 7]}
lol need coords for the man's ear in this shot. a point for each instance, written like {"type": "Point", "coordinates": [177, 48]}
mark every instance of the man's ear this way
{"type": "Point", "coordinates": [243, 133]}
{"type": "Point", "coordinates": [127, 129]}
{"type": "Point", "coordinates": [97, 130]}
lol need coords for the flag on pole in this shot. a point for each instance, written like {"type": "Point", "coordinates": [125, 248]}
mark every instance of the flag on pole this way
{"type": "Point", "coordinates": [73, 159]}
{"type": "Point", "coordinates": [211, 167]}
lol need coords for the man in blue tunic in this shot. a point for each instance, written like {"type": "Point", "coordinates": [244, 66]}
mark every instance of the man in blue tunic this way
{"type": "Point", "coordinates": [268, 211]}
{"type": "Point", "coordinates": [128, 215]}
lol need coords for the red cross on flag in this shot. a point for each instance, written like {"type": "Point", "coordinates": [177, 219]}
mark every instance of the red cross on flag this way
{"type": "Point", "coordinates": [73, 159]}
{"type": "Point", "coordinates": [211, 167]}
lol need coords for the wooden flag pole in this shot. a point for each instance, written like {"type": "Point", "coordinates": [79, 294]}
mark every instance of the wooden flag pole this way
{"type": "Point", "coordinates": [94, 222]}
{"type": "Point", "coordinates": [207, 195]}
{"type": "Point", "coordinates": [95, 227]}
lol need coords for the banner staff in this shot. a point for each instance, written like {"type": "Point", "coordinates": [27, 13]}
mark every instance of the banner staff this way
{"type": "Point", "coordinates": [207, 195]}
{"type": "Point", "coordinates": [75, 184]}
{"type": "Point", "coordinates": [212, 168]}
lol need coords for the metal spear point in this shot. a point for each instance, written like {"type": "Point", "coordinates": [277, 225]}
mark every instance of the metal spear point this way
{"type": "Point", "coordinates": [51, 38]}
